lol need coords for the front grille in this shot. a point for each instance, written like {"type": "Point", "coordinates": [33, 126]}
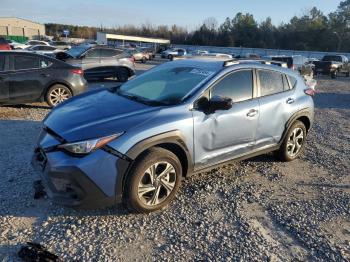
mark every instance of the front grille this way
{"type": "Point", "coordinates": [41, 157]}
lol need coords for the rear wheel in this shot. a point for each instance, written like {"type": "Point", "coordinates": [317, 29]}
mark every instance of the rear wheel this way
{"type": "Point", "coordinates": [170, 57]}
{"type": "Point", "coordinates": [153, 181]}
{"type": "Point", "coordinates": [57, 94]}
{"type": "Point", "coordinates": [293, 143]}
{"type": "Point", "coordinates": [143, 60]}
{"type": "Point", "coordinates": [122, 75]}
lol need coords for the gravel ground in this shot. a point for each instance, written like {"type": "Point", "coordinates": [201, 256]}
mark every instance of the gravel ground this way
{"type": "Point", "coordinates": [253, 210]}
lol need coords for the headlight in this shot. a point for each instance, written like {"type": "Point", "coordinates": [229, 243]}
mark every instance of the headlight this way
{"type": "Point", "coordinates": [88, 146]}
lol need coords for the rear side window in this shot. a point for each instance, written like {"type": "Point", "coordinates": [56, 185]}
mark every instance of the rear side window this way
{"type": "Point", "coordinates": [271, 82]}
{"type": "Point", "coordinates": [2, 63]}
{"type": "Point", "coordinates": [26, 62]}
{"type": "Point", "coordinates": [238, 86]}
{"type": "Point", "coordinates": [109, 52]}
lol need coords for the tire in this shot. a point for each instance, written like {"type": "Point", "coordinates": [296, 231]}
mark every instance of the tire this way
{"type": "Point", "coordinates": [143, 60]}
{"type": "Point", "coordinates": [347, 74]}
{"type": "Point", "coordinates": [57, 94]}
{"type": "Point", "coordinates": [123, 75]}
{"type": "Point", "coordinates": [170, 57]}
{"type": "Point", "coordinates": [293, 146]}
{"type": "Point", "coordinates": [157, 196]}
{"type": "Point", "coordinates": [334, 75]}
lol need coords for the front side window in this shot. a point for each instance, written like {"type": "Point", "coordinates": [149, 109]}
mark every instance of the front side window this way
{"type": "Point", "coordinates": [26, 62]}
{"type": "Point", "coordinates": [238, 86]}
{"type": "Point", "coordinates": [271, 82]}
{"type": "Point", "coordinates": [165, 84]}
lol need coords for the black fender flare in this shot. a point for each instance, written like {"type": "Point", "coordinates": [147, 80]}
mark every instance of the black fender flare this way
{"type": "Point", "coordinates": [301, 113]}
{"type": "Point", "coordinates": [169, 138]}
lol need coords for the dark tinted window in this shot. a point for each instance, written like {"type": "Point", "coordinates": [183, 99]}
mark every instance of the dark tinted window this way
{"type": "Point", "coordinates": [271, 82]}
{"type": "Point", "coordinates": [109, 52]}
{"type": "Point", "coordinates": [26, 62]}
{"type": "Point", "coordinates": [238, 86]}
{"type": "Point", "coordinates": [93, 53]}
{"type": "Point", "coordinates": [3, 41]}
{"type": "Point", "coordinates": [334, 58]}
{"type": "Point", "coordinates": [2, 62]}
{"type": "Point", "coordinates": [292, 81]}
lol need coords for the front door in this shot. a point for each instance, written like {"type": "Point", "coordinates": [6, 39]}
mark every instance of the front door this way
{"type": "Point", "coordinates": [224, 135]}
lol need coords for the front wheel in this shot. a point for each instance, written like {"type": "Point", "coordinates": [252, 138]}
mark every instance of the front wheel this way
{"type": "Point", "coordinates": [293, 143]}
{"type": "Point", "coordinates": [153, 181]}
{"type": "Point", "coordinates": [57, 94]}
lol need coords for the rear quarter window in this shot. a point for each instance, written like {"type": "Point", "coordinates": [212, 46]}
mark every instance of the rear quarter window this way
{"type": "Point", "coordinates": [292, 81]}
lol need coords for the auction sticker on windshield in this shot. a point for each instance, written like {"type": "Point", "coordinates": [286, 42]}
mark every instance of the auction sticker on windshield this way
{"type": "Point", "coordinates": [201, 72]}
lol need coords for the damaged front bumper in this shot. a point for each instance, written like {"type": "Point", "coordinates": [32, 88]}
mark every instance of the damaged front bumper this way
{"type": "Point", "coordinates": [92, 181]}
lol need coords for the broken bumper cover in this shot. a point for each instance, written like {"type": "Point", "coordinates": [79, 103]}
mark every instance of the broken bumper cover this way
{"type": "Point", "coordinates": [86, 182]}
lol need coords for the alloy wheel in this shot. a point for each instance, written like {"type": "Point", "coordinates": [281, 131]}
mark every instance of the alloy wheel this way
{"type": "Point", "coordinates": [58, 95]}
{"type": "Point", "coordinates": [157, 183]}
{"type": "Point", "coordinates": [295, 142]}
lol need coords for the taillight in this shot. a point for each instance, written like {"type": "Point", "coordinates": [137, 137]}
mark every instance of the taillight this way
{"type": "Point", "coordinates": [293, 67]}
{"type": "Point", "coordinates": [77, 71]}
{"type": "Point", "coordinates": [310, 92]}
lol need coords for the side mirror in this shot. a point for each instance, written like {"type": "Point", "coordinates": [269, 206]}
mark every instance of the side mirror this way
{"type": "Point", "coordinates": [214, 104]}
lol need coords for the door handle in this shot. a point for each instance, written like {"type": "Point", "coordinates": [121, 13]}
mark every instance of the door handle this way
{"type": "Point", "coordinates": [290, 101]}
{"type": "Point", "coordinates": [252, 113]}
{"type": "Point", "coordinates": [45, 75]}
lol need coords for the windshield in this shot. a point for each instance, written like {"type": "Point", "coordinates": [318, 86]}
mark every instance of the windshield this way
{"type": "Point", "coordinates": [77, 51]}
{"type": "Point", "coordinates": [164, 85]}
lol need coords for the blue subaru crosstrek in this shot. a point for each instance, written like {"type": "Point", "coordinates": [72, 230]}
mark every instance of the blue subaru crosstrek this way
{"type": "Point", "coordinates": [136, 142]}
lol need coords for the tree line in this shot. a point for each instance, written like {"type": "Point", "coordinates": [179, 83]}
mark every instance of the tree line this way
{"type": "Point", "coordinates": [312, 31]}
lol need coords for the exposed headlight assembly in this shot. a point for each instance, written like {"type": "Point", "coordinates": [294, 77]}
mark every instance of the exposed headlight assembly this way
{"type": "Point", "coordinates": [88, 146]}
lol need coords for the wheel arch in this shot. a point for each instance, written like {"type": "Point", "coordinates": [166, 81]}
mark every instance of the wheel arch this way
{"type": "Point", "coordinates": [51, 84]}
{"type": "Point", "coordinates": [304, 116]}
{"type": "Point", "coordinates": [172, 141]}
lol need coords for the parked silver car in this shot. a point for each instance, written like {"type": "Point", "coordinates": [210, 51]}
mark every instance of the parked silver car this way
{"type": "Point", "coordinates": [175, 52]}
{"type": "Point", "coordinates": [100, 61]}
{"type": "Point", "coordinates": [61, 45]}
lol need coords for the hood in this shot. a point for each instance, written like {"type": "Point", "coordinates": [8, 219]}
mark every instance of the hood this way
{"type": "Point", "coordinates": [97, 114]}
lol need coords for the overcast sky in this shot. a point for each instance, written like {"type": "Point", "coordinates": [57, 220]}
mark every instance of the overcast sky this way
{"type": "Point", "coordinates": [188, 13]}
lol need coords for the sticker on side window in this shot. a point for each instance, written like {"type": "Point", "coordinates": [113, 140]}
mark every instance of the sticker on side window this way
{"type": "Point", "coordinates": [201, 72]}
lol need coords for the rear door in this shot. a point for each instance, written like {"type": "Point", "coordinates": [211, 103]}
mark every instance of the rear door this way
{"type": "Point", "coordinates": [25, 79]}
{"type": "Point", "coordinates": [109, 62]}
{"type": "Point", "coordinates": [4, 87]}
{"type": "Point", "coordinates": [277, 104]}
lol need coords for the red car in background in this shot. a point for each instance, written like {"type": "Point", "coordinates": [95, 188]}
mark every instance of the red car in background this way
{"type": "Point", "coordinates": [4, 45]}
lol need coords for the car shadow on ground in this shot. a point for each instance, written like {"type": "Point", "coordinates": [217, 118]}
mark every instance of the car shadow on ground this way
{"type": "Point", "coordinates": [31, 106]}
